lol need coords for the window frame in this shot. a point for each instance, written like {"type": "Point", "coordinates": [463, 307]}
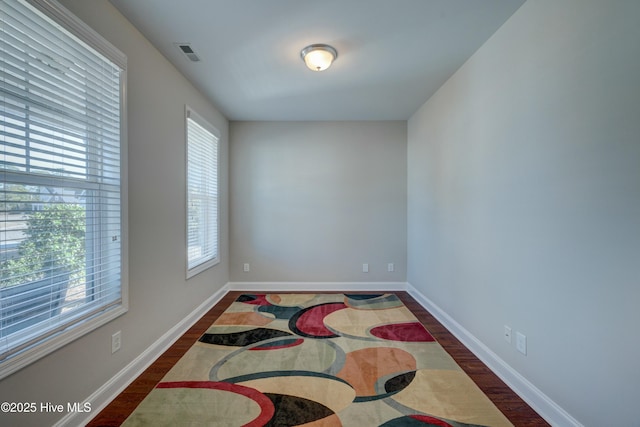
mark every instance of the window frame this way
{"type": "Point", "coordinates": [55, 339]}
{"type": "Point", "coordinates": [190, 113]}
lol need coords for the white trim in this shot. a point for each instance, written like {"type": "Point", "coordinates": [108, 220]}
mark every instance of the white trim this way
{"type": "Point", "coordinates": [316, 286]}
{"type": "Point", "coordinates": [105, 394]}
{"type": "Point", "coordinates": [201, 267]}
{"type": "Point", "coordinates": [37, 352]}
{"type": "Point", "coordinates": [190, 113]}
{"type": "Point", "coordinates": [540, 402]}
{"type": "Point", "coordinates": [89, 38]}
{"type": "Point", "coordinates": [79, 29]}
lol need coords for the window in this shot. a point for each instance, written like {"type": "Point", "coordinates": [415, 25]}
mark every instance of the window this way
{"type": "Point", "coordinates": [61, 152]}
{"type": "Point", "coordinates": [202, 194]}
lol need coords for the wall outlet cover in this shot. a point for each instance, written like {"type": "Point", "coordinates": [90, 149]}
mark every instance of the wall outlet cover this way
{"type": "Point", "coordinates": [521, 343]}
{"type": "Point", "coordinates": [507, 334]}
{"type": "Point", "coordinates": [116, 341]}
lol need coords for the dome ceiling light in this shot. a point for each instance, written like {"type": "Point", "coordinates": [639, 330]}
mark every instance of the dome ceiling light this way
{"type": "Point", "coordinates": [318, 57]}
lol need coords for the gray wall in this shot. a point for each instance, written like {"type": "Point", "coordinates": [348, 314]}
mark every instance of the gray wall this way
{"type": "Point", "coordinates": [524, 201]}
{"type": "Point", "coordinates": [160, 297]}
{"type": "Point", "coordinates": [313, 201]}
{"type": "Point", "coordinates": [521, 207]}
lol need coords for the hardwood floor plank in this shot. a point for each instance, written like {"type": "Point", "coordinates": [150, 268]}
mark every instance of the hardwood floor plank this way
{"type": "Point", "coordinates": [511, 405]}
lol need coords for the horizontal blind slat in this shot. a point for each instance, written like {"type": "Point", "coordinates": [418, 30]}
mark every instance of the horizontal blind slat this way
{"type": "Point", "coordinates": [202, 190]}
{"type": "Point", "coordinates": [60, 206]}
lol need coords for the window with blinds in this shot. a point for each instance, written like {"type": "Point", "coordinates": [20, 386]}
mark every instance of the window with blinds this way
{"type": "Point", "coordinates": [61, 239]}
{"type": "Point", "coordinates": [202, 194]}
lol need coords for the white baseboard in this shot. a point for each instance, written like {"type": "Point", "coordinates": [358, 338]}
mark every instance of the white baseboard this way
{"type": "Point", "coordinates": [105, 394]}
{"type": "Point", "coordinates": [316, 286]}
{"type": "Point", "coordinates": [541, 403]}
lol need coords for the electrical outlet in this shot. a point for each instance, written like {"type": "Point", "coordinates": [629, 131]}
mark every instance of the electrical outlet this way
{"type": "Point", "coordinates": [507, 334]}
{"type": "Point", "coordinates": [365, 268]}
{"type": "Point", "coordinates": [116, 341]}
{"type": "Point", "coordinates": [246, 267]}
{"type": "Point", "coordinates": [521, 343]}
{"type": "Point", "coordinates": [390, 267]}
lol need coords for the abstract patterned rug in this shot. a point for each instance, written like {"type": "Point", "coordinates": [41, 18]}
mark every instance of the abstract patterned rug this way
{"type": "Point", "coordinates": [316, 360]}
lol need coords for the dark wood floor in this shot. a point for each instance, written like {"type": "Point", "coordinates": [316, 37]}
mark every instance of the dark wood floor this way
{"type": "Point", "coordinates": [514, 408]}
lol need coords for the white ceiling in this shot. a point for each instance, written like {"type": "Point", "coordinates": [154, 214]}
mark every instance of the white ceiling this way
{"type": "Point", "coordinates": [392, 54]}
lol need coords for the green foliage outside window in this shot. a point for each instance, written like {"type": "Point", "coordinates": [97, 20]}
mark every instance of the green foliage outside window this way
{"type": "Point", "coordinates": [55, 243]}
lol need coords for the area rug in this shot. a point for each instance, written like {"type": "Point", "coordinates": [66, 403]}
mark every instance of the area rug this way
{"type": "Point", "coordinates": [316, 360]}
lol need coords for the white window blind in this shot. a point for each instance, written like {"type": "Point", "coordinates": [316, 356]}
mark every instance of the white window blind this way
{"type": "Point", "coordinates": [202, 194]}
{"type": "Point", "coordinates": [60, 171]}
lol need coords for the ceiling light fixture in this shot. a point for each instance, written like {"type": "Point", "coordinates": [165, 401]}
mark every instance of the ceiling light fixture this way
{"type": "Point", "coordinates": [318, 57]}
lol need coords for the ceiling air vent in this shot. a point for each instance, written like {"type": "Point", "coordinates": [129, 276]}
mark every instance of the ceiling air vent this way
{"type": "Point", "coordinates": [188, 51]}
